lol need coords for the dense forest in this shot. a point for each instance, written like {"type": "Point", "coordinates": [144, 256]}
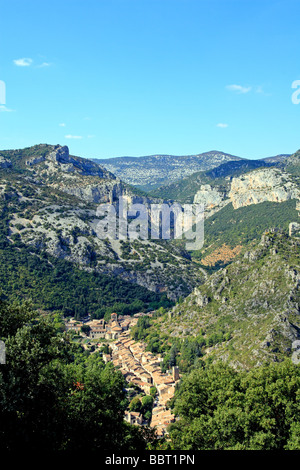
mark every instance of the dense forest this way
{"type": "Point", "coordinates": [221, 408]}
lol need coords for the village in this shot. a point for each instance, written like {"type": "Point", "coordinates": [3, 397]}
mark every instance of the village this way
{"type": "Point", "coordinates": [140, 368]}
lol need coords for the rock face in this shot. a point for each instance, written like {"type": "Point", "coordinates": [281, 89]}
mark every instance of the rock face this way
{"type": "Point", "coordinates": [294, 228]}
{"type": "Point", "coordinates": [296, 352]}
{"type": "Point", "coordinates": [209, 196]}
{"type": "Point", "coordinates": [35, 160]}
{"type": "Point", "coordinates": [254, 187]}
{"type": "Point", "coordinates": [241, 183]}
{"type": "Point", "coordinates": [61, 155]}
{"type": "Point", "coordinates": [96, 193]}
{"type": "Point", "coordinates": [4, 163]}
{"type": "Point", "coordinates": [76, 176]}
{"type": "Point", "coordinates": [65, 162]}
{"type": "Point", "coordinates": [268, 184]}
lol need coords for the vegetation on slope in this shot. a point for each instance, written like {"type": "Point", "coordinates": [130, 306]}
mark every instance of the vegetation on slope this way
{"type": "Point", "coordinates": [183, 191]}
{"type": "Point", "coordinates": [55, 284]}
{"type": "Point", "coordinates": [37, 211]}
{"type": "Point", "coordinates": [58, 286]}
{"type": "Point", "coordinates": [234, 227]}
{"type": "Point", "coordinates": [245, 314]}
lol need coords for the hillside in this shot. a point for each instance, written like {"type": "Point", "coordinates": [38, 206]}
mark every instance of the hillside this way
{"type": "Point", "coordinates": [240, 199]}
{"type": "Point", "coordinates": [152, 171]}
{"type": "Point", "coordinates": [245, 314]}
{"type": "Point", "coordinates": [49, 201]}
{"type": "Point", "coordinates": [219, 178]}
{"type": "Point", "coordinates": [229, 229]}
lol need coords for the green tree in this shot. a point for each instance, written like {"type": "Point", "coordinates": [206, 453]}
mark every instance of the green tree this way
{"type": "Point", "coordinates": [135, 404]}
{"type": "Point", "coordinates": [54, 397]}
{"type": "Point", "coordinates": [86, 329]}
{"type": "Point", "coordinates": [220, 408]}
{"type": "Point", "coordinates": [153, 391]}
{"type": "Point", "coordinates": [147, 403]}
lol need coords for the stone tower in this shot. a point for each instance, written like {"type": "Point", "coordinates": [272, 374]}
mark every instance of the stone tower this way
{"type": "Point", "coordinates": [175, 371]}
{"type": "Point", "coordinates": [113, 317]}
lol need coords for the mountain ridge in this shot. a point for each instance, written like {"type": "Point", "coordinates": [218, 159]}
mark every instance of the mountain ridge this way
{"type": "Point", "coordinates": [152, 171]}
{"type": "Point", "coordinates": [49, 200]}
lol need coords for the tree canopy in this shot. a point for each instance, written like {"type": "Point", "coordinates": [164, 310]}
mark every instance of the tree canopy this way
{"type": "Point", "coordinates": [221, 408]}
{"type": "Point", "coordinates": [52, 396]}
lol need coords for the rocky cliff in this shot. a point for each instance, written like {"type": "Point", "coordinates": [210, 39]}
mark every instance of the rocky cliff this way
{"type": "Point", "coordinates": [239, 183]}
{"type": "Point", "coordinates": [267, 184]}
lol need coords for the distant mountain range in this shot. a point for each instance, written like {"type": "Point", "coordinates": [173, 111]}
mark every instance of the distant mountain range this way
{"type": "Point", "coordinates": [153, 171]}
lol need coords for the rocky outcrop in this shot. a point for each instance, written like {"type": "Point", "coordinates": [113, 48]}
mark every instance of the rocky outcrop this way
{"type": "Point", "coordinates": [294, 228]}
{"type": "Point", "coordinates": [58, 158]}
{"type": "Point", "coordinates": [79, 165]}
{"type": "Point", "coordinates": [35, 160]}
{"type": "Point", "coordinates": [200, 299]}
{"type": "Point", "coordinates": [210, 197]}
{"type": "Point", "coordinates": [106, 192]}
{"type": "Point", "coordinates": [272, 184]}
{"type": "Point", "coordinates": [4, 163]}
{"type": "Point", "coordinates": [268, 184]}
{"type": "Point", "coordinates": [61, 155]}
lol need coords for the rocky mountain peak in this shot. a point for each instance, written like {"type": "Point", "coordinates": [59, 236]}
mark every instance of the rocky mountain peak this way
{"type": "Point", "coordinates": [60, 154]}
{"type": "Point", "coordinates": [59, 159]}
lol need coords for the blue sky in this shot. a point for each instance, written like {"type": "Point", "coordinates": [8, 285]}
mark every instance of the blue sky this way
{"type": "Point", "coordinates": [138, 77]}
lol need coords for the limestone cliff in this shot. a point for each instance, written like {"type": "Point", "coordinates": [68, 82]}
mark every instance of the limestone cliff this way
{"type": "Point", "coordinates": [213, 198]}
{"type": "Point", "coordinates": [267, 184]}
{"type": "Point", "coordinates": [254, 187]}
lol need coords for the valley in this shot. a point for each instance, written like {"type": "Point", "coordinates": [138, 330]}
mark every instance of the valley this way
{"type": "Point", "coordinates": [148, 312]}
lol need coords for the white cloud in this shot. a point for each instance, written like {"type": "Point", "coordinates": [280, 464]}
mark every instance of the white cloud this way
{"type": "Point", "coordinates": [45, 64]}
{"type": "Point", "coordinates": [4, 109]}
{"type": "Point", "coordinates": [24, 62]}
{"type": "Point", "coordinates": [62, 124]}
{"type": "Point", "coordinates": [259, 89]}
{"type": "Point", "coordinates": [91, 136]}
{"type": "Point", "coordinates": [222, 125]}
{"type": "Point", "coordinates": [69, 136]}
{"type": "Point", "coordinates": [239, 88]}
